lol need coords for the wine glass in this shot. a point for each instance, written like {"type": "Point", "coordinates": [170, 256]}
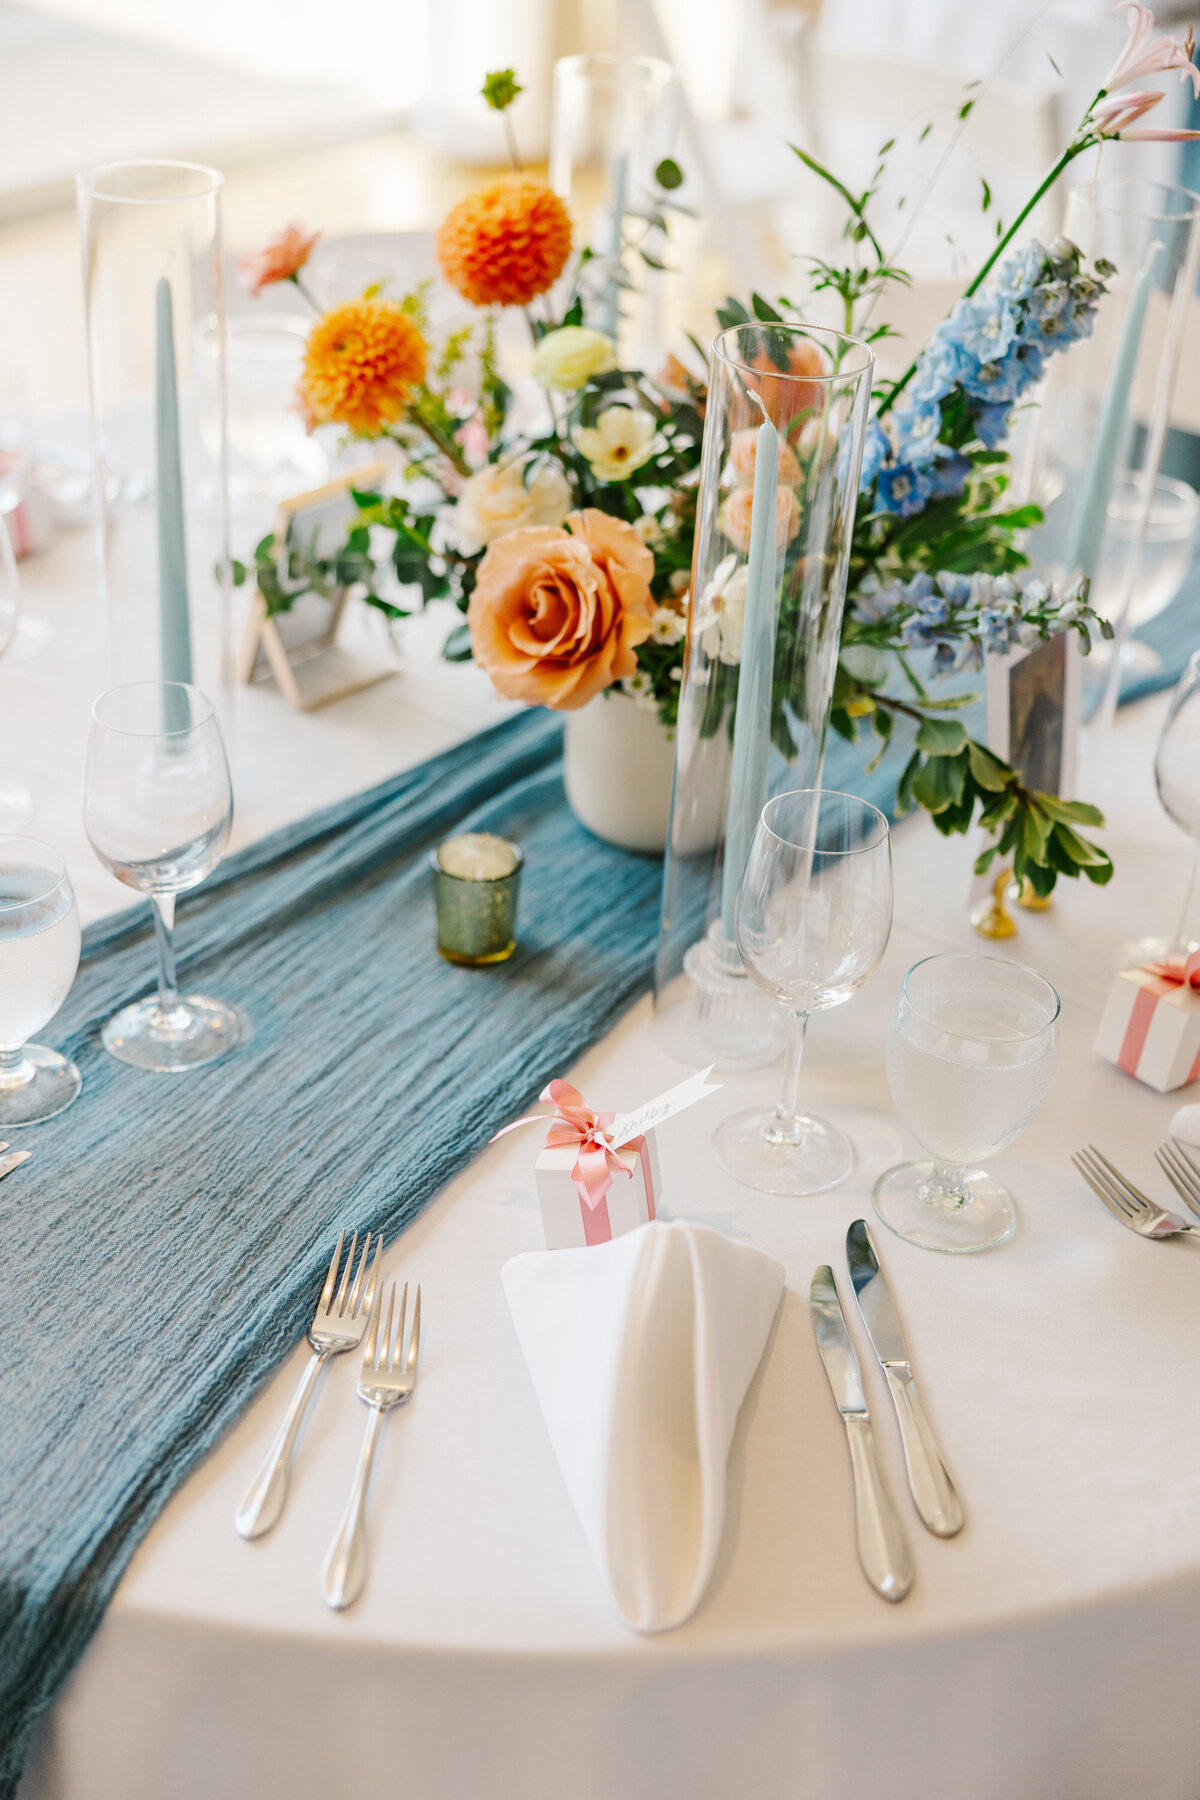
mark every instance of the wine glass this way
{"type": "Point", "coordinates": [814, 913]}
{"type": "Point", "coordinates": [39, 954]}
{"type": "Point", "coordinates": [971, 1053]}
{"type": "Point", "coordinates": [16, 805]}
{"type": "Point", "coordinates": [158, 808]}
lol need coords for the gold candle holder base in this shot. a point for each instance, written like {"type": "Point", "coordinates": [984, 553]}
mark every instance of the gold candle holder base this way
{"type": "Point", "coordinates": [1023, 893]}
{"type": "Point", "coordinates": [989, 918]}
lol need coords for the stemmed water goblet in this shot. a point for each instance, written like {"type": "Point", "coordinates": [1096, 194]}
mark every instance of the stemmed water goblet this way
{"type": "Point", "coordinates": [16, 806]}
{"type": "Point", "coordinates": [971, 1053]}
{"type": "Point", "coordinates": [39, 954]}
{"type": "Point", "coordinates": [158, 809]}
{"type": "Point", "coordinates": [814, 913]}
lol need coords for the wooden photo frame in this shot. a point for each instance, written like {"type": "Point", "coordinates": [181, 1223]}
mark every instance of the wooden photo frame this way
{"type": "Point", "coordinates": [298, 650]}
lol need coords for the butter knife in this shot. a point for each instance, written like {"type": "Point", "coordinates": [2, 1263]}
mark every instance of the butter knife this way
{"type": "Point", "coordinates": [12, 1161]}
{"type": "Point", "coordinates": [883, 1549]}
{"type": "Point", "coordinates": [929, 1480]}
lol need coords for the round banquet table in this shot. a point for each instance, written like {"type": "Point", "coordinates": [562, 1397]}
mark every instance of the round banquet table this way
{"type": "Point", "coordinates": [1048, 1651]}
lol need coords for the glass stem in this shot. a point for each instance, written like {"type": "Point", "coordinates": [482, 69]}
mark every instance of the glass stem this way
{"type": "Point", "coordinates": [15, 1069]}
{"type": "Point", "coordinates": [164, 926]}
{"type": "Point", "coordinates": [787, 1113]}
{"type": "Point", "coordinates": [1189, 923]}
{"type": "Point", "coordinates": [945, 1187]}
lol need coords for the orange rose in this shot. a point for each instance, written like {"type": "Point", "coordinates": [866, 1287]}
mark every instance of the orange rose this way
{"type": "Point", "coordinates": [557, 614]}
{"type": "Point", "coordinates": [735, 513]}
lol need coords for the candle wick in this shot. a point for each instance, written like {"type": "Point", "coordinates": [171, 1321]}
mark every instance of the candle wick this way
{"type": "Point", "coordinates": [761, 405]}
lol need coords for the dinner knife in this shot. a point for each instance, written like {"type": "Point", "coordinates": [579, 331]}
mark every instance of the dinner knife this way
{"type": "Point", "coordinates": [12, 1161]}
{"type": "Point", "coordinates": [929, 1480]}
{"type": "Point", "coordinates": [883, 1549]}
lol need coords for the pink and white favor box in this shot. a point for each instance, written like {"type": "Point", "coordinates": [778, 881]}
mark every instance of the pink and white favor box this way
{"type": "Point", "coordinates": [571, 1219]}
{"type": "Point", "coordinates": [597, 1173]}
{"type": "Point", "coordinates": [1151, 1023]}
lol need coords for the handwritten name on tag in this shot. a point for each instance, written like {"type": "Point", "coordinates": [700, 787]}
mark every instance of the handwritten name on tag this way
{"type": "Point", "coordinates": [627, 1126]}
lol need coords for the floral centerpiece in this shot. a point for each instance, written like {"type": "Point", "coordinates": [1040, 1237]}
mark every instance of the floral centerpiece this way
{"type": "Point", "coordinates": [567, 543]}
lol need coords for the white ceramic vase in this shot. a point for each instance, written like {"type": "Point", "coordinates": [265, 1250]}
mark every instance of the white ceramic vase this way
{"type": "Point", "coordinates": [618, 764]}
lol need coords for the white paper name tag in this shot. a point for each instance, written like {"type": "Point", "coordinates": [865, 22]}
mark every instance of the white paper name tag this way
{"type": "Point", "coordinates": [636, 1124]}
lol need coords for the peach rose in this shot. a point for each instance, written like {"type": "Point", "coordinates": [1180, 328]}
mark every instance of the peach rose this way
{"type": "Point", "coordinates": [743, 447]}
{"type": "Point", "coordinates": [734, 517]}
{"type": "Point", "coordinates": [557, 614]}
{"type": "Point", "coordinates": [790, 395]}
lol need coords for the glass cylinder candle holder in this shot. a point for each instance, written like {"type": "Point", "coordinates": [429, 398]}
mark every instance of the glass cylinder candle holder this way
{"type": "Point", "coordinates": [615, 120]}
{"type": "Point", "coordinates": [476, 878]}
{"type": "Point", "coordinates": [1101, 431]}
{"type": "Point", "coordinates": [151, 238]}
{"type": "Point", "coordinates": [783, 434]}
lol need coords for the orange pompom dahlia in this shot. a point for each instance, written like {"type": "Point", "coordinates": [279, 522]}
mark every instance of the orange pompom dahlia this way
{"type": "Point", "coordinates": [362, 363]}
{"type": "Point", "coordinates": [507, 245]}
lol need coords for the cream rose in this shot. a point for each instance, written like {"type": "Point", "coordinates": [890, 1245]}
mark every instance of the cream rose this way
{"type": "Point", "coordinates": [566, 359]}
{"type": "Point", "coordinates": [496, 500]}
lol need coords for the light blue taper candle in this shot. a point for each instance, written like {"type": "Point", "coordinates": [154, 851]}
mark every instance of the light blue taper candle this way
{"type": "Point", "coordinates": [1091, 514]}
{"type": "Point", "coordinates": [175, 637]}
{"type": "Point", "coordinates": [752, 723]}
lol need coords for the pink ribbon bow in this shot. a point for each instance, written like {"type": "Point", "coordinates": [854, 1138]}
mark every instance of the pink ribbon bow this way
{"type": "Point", "coordinates": [1176, 971]}
{"type": "Point", "coordinates": [575, 1123]}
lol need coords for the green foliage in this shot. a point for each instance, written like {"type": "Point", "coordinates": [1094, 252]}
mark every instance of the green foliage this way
{"type": "Point", "coordinates": [500, 88]}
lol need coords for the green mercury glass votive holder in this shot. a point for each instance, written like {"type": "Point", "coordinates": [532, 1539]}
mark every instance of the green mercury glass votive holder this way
{"type": "Point", "coordinates": [476, 877]}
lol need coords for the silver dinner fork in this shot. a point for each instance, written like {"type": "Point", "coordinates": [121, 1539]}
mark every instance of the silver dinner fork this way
{"type": "Point", "coordinates": [338, 1325]}
{"type": "Point", "coordinates": [1182, 1172]}
{"type": "Point", "coordinates": [388, 1378]}
{"type": "Point", "coordinates": [1125, 1202]}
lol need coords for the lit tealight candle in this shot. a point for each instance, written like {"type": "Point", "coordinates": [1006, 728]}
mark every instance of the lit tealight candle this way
{"type": "Point", "coordinates": [476, 876]}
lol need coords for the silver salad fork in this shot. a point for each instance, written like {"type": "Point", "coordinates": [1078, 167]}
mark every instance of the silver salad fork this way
{"type": "Point", "coordinates": [338, 1325]}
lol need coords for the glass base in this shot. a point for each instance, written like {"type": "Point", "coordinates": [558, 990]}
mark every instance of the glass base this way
{"type": "Point", "coordinates": [195, 1032]}
{"type": "Point", "coordinates": [755, 1149]}
{"type": "Point", "coordinates": [713, 1013]}
{"type": "Point", "coordinates": [16, 807]}
{"type": "Point", "coordinates": [45, 1084]}
{"type": "Point", "coordinates": [907, 1206]}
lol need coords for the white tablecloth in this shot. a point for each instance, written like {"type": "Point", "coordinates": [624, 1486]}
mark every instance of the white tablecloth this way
{"type": "Point", "coordinates": [1047, 1652]}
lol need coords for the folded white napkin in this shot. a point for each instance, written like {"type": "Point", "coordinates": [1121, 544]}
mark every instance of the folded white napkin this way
{"type": "Point", "coordinates": [641, 1351]}
{"type": "Point", "coordinates": [1186, 1125]}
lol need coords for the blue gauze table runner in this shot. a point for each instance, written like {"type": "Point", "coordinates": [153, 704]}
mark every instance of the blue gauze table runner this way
{"type": "Point", "coordinates": [171, 1232]}
{"type": "Point", "coordinates": [162, 1250]}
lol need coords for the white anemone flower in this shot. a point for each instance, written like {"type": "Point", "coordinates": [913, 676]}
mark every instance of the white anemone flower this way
{"type": "Point", "coordinates": [722, 612]}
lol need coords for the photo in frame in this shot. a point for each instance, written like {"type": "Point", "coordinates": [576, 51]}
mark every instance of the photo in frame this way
{"type": "Point", "coordinates": [1034, 715]}
{"type": "Point", "coordinates": [298, 650]}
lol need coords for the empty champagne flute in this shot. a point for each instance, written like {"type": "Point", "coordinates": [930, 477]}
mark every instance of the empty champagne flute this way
{"type": "Point", "coordinates": [814, 913]}
{"type": "Point", "coordinates": [39, 954]}
{"type": "Point", "coordinates": [158, 808]}
{"type": "Point", "coordinates": [16, 806]}
{"type": "Point", "coordinates": [971, 1053]}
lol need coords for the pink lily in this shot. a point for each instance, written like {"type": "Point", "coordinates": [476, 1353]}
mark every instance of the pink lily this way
{"type": "Point", "coordinates": [1112, 118]}
{"type": "Point", "coordinates": [1113, 115]}
{"type": "Point", "coordinates": [1144, 55]}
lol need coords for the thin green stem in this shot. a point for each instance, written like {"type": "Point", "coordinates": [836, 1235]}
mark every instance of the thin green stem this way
{"type": "Point", "coordinates": [446, 445]}
{"type": "Point", "coordinates": [295, 279]}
